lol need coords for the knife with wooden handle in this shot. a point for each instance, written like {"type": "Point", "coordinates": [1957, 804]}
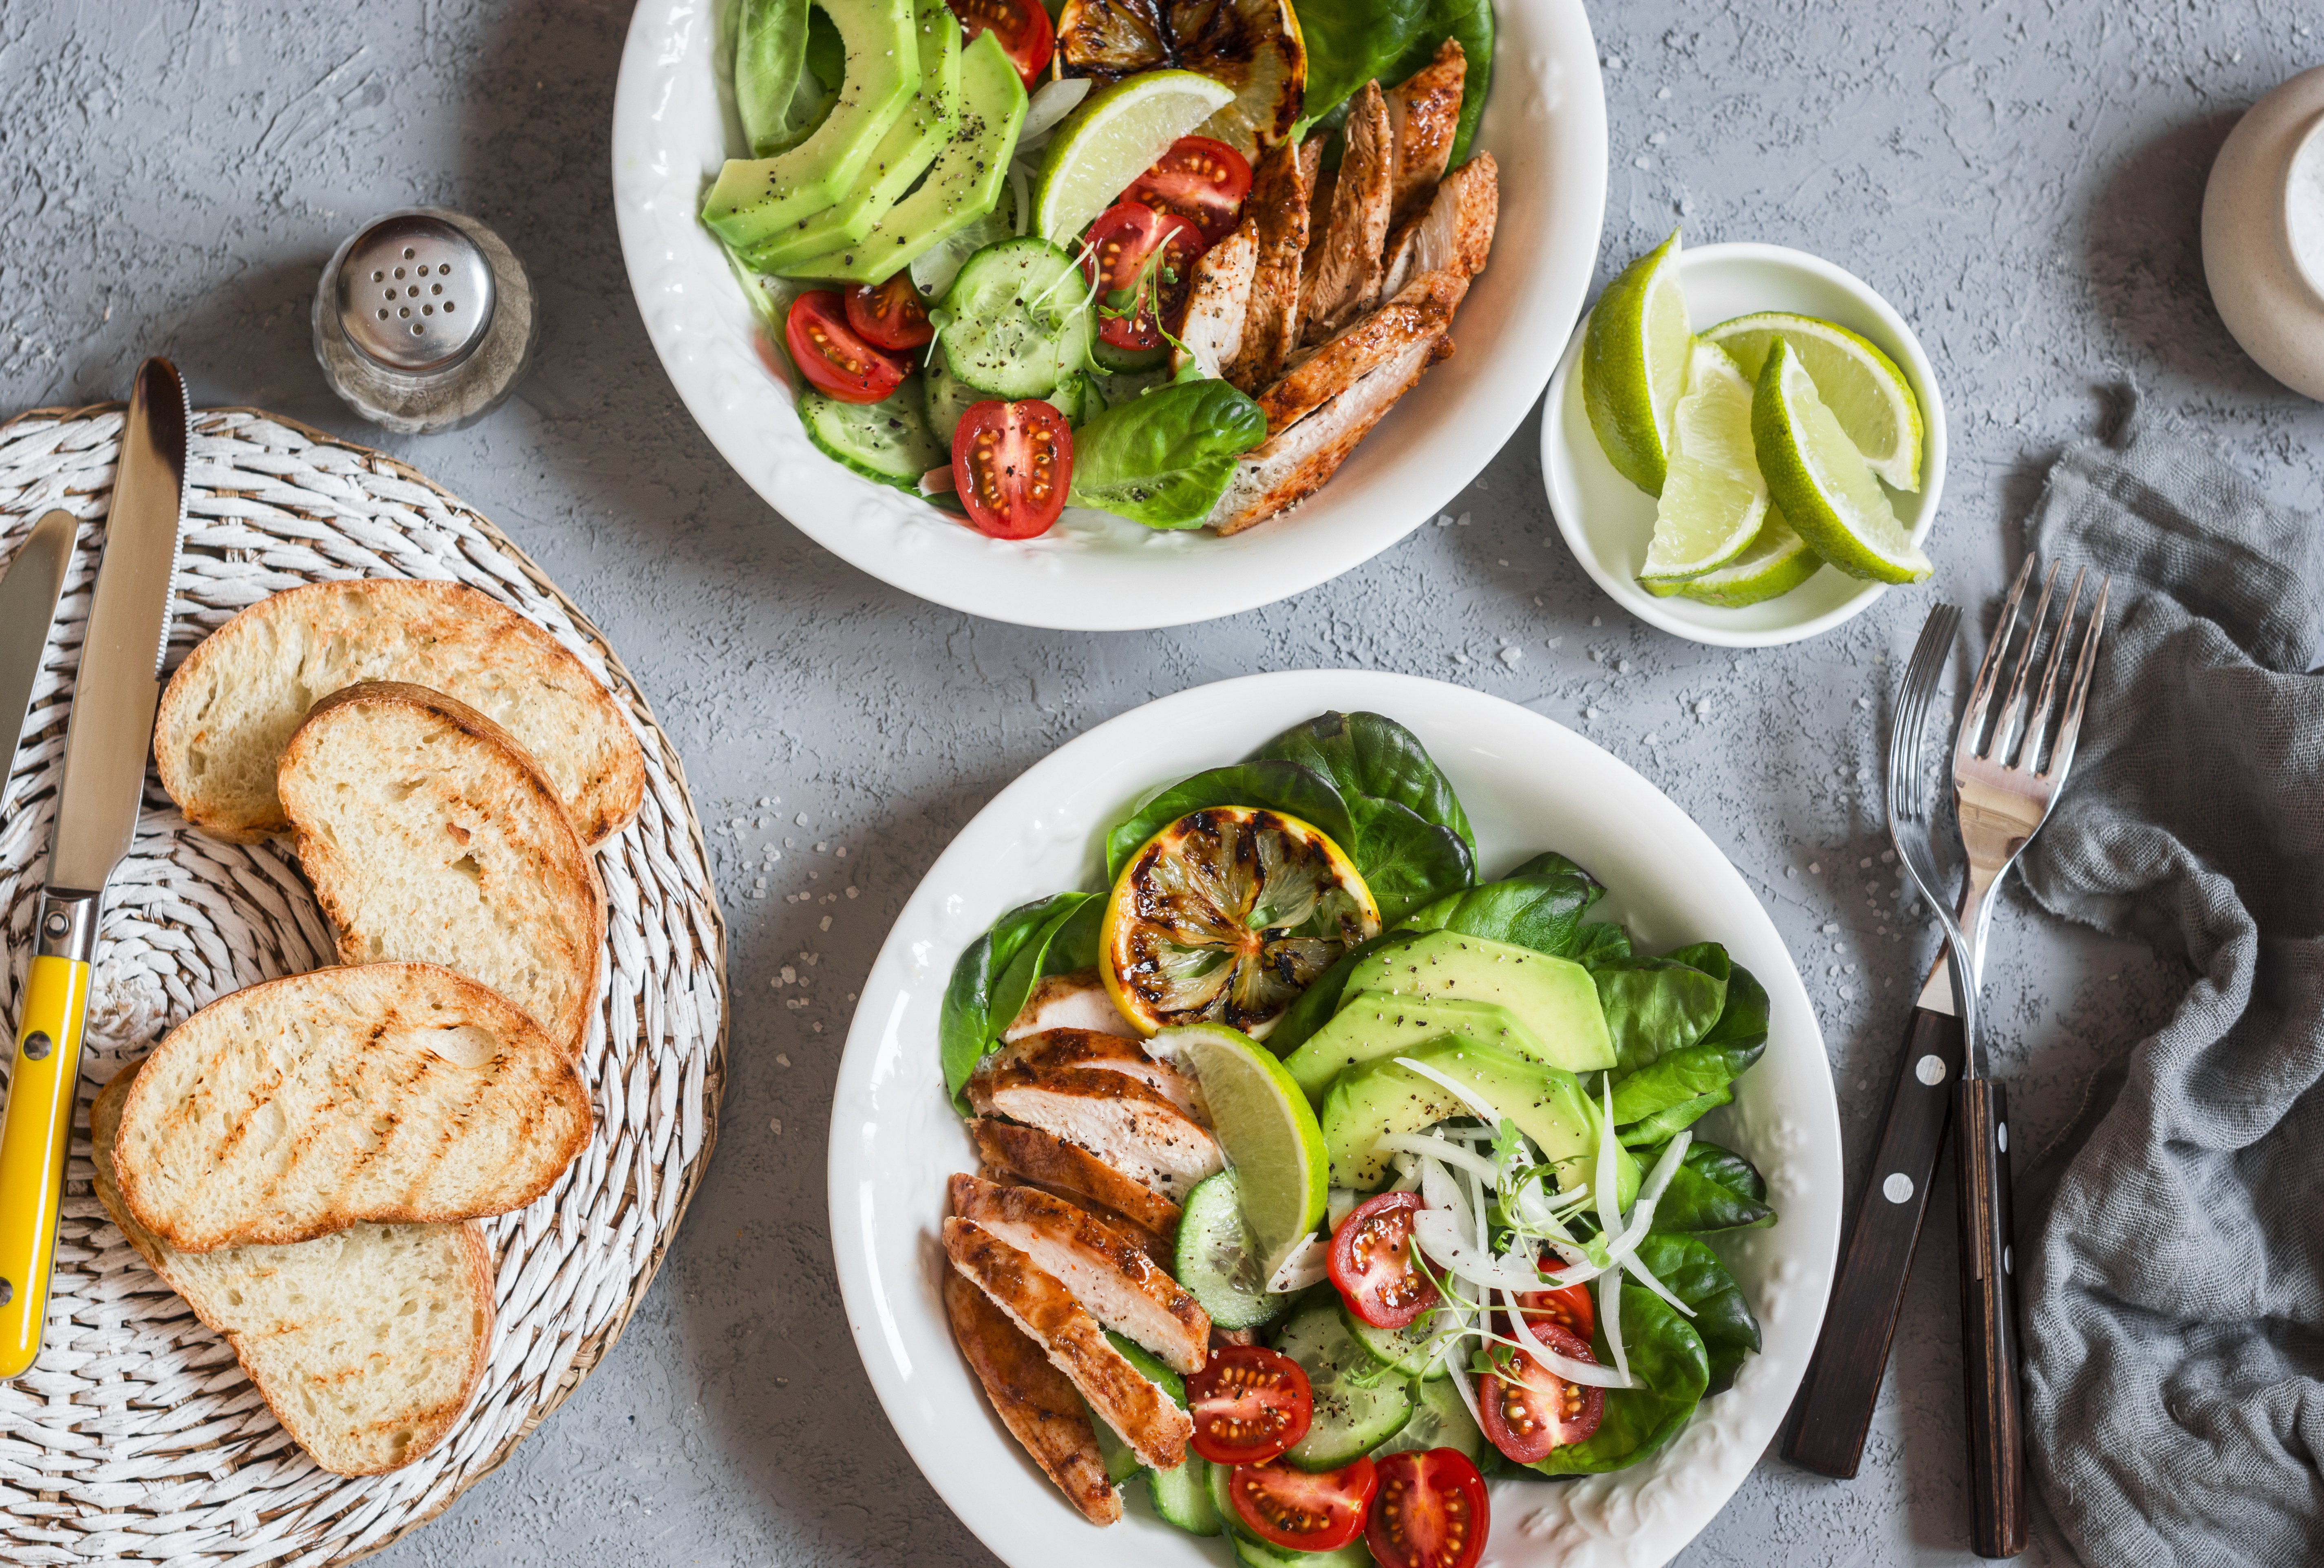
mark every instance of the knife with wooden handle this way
{"type": "Point", "coordinates": [106, 741]}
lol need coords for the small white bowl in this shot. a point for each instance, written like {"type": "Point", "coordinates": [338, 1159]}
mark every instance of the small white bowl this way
{"type": "Point", "coordinates": [1606, 520]}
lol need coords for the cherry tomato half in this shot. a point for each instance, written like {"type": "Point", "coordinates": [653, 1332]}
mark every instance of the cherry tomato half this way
{"type": "Point", "coordinates": [836, 363]}
{"type": "Point", "coordinates": [1529, 1409]}
{"type": "Point", "coordinates": [1371, 1262]}
{"type": "Point", "coordinates": [1430, 1511]}
{"type": "Point", "coordinates": [889, 315]}
{"type": "Point", "coordinates": [1026, 35]}
{"type": "Point", "coordinates": [1302, 1512]}
{"type": "Point", "coordinates": [1142, 262]}
{"type": "Point", "coordinates": [1569, 1309]}
{"type": "Point", "coordinates": [1198, 179]}
{"type": "Point", "coordinates": [1249, 1404]}
{"type": "Point", "coordinates": [1012, 462]}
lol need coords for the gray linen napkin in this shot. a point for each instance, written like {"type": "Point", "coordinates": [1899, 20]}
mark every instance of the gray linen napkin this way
{"type": "Point", "coordinates": [2173, 1298]}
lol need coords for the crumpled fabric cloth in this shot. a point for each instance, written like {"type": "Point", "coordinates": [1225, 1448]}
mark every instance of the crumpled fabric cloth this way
{"type": "Point", "coordinates": [2173, 1299]}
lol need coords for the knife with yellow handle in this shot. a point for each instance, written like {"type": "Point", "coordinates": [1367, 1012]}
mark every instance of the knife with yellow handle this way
{"type": "Point", "coordinates": [106, 740]}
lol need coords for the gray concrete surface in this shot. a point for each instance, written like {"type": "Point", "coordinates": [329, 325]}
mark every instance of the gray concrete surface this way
{"type": "Point", "coordinates": [2022, 179]}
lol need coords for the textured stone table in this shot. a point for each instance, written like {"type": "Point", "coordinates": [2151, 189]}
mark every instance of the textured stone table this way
{"type": "Point", "coordinates": [2023, 181]}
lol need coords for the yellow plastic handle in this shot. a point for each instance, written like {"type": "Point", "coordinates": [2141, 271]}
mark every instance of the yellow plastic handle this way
{"type": "Point", "coordinates": [33, 1140]}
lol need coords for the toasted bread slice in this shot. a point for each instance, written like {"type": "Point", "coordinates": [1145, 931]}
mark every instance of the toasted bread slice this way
{"type": "Point", "coordinates": [231, 706]}
{"type": "Point", "coordinates": [432, 837]}
{"type": "Point", "coordinates": [393, 1092]}
{"type": "Point", "coordinates": [367, 1344]}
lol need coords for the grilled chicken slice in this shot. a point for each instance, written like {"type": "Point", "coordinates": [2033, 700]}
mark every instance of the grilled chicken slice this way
{"type": "Point", "coordinates": [1218, 301]}
{"type": "Point", "coordinates": [1292, 466]}
{"type": "Point", "coordinates": [1034, 1300]}
{"type": "Point", "coordinates": [1346, 283]}
{"type": "Point", "coordinates": [1054, 1048]}
{"type": "Point", "coordinates": [1075, 1001]}
{"type": "Point", "coordinates": [1425, 114]}
{"type": "Point", "coordinates": [1455, 229]}
{"type": "Point", "coordinates": [1281, 191]}
{"type": "Point", "coordinates": [1049, 1161]}
{"type": "Point", "coordinates": [1107, 1270]}
{"type": "Point", "coordinates": [1423, 311]}
{"type": "Point", "coordinates": [1034, 1399]}
{"type": "Point", "coordinates": [1128, 1124]}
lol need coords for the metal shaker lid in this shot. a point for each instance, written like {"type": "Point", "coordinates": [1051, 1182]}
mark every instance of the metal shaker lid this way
{"type": "Point", "coordinates": [415, 294]}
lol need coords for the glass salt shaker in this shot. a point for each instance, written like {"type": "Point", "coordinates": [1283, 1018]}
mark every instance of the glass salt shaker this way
{"type": "Point", "coordinates": [424, 321]}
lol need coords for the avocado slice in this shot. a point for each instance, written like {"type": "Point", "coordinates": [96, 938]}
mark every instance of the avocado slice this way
{"type": "Point", "coordinates": [757, 197]}
{"type": "Point", "coordinates": [1547, 1103]}
{"type": "Point", "coordinates": [1554, 999]}
{"type": "Point", "coordinates": [910, 145]}
{"type": "Point", "coordinates": [964, 185]}
{"type": "Point", "coordinates": [1377, 1024]}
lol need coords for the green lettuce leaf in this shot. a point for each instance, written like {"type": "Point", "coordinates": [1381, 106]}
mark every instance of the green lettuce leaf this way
{"type": "Point", "coordinates": [1365, 754]}
{"type": "Point", "coordinates": [1713, 1189]}
{"type": "Point", "coordinates": [995, 973]}
{"type": "Point", "coordinates": [1656, 1005]}
{"type": "Point", "coordinates": [1284, 787]}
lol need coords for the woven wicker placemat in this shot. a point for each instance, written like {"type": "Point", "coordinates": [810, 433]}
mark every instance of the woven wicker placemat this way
{"type": "Point", "coordinates": [136, 1438]}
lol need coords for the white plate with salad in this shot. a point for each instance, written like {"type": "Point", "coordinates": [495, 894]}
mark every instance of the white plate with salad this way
{"type": "Point", "coordinates": [1063, 323]}
{"type": "Point", "coordinates": [1309, 1110]}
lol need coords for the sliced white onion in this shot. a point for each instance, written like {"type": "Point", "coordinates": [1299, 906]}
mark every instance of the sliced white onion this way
{"type": "Point", "coordinates": [1438, 1233]}
{"type": "Point", "coordinates": [1572, 1368]}
{"type": "Point", "coordinates": [1308, 1264]}
{"type": "Point", "coordinates": [1639, 1272]}
{"type": "Point", "coordinates": [1430, 1148]}
{"type": "Point", "coordinates": [1609, 1318]}
{"type": "Point", "coordinates": [1337, 1204]}
{"type": "Point", "coordinates": [1438, 1190]}
{"type": "Point", "coordinates": [1460, 1379]}
{"type": "Point", "coordinates": [1020, 192]}
{"type": "Point", "coordinates": [1460, 1091]}
{"type": "Point", "coordinates": [1608, 1182]}
{"type": "Point", "coordinates": [937, 482]}
{"type": "Point", "coordinates": [1407, 1175]}
{"type": "Point", "coordinates": [1658, 1179]}
{"type": "Point", "coordinates": [1052, 104]}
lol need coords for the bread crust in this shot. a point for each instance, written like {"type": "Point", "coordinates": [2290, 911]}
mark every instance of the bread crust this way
{"type": "Point", "coordinates": [431, 1426]}
{"type": "Point", "coordinates": [573, 870]}
{"type": "Point", "coordinates": [459, 629]}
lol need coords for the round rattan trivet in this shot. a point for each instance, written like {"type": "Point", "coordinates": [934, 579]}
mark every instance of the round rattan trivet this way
{"type": "Point", "coordinates": [136, 1438]}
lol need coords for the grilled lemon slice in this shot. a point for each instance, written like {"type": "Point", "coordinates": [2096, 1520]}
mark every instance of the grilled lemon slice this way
{"type": "Point", "coordinates": [1225, 916]}
{"type": "Point", "coordinates": [1253, 46]}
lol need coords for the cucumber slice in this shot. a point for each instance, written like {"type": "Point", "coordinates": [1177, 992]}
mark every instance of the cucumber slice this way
{"type": "Point", "coordinates": [945, 398]}
{"type": "Point", "coordinates": [1439, 1420]}
{"type": "Point", "coordinates": [1139, 1356]}
{"type": "Point", "coordinates": [1409, 1351]}
{"type": "Point", "coordinates": [1019, 319]}
{"type": "Point", "coordinates": [1128, 361]}
{"type": "Point", "coordinates": [1253, 1553]}
{"type": "Point", "coordinates": [1121, 1464]}
{"type": "Point", "coordinates": [1354, 1414]}
{"type": "Point", "coordinates": [1215, 1260]}
{"type": "Point", "coordinates": [1183, 1497]}
{"type": "Point", "coordinates": [887, 441]}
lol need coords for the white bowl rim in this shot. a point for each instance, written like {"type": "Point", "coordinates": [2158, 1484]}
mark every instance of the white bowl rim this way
{"type": "Point", "coordinates": [1904, 345]}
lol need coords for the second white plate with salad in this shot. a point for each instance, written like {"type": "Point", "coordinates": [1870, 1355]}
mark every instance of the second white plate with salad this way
{"type": "Point", "coordinates": [1527, 785]}
{"type": "Point", "coordinates": [674, 126]}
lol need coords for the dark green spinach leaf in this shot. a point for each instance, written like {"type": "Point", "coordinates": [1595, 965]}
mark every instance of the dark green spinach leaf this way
{"type": "Point", "coordinates": [1276, 786]}
{"type": "Point", "coordinates": [1668, 1360]}
{"type": "Point", "coordinates": [1655, 1005]}
{"type": "Point", "coordinates": [769, 50]}
{"type": "Point", "coordinates": [1713, 1189]}
{"type": "Point", "coordinates": [1542, 911]}
{"type": "Point", "coordinates": [1405, 860]}
{"type": "Point", "coordinates": [1678, 1076]}
{"type": "Point", "coordinates": [1659, 1128]}
{"type": "Point", "coordinates": [1722, 1320]}
{"type": "Point", "coordinates": [1471, 22]}
{"type": "Point", "coordinates": [1164, 459]}
{"type": "Point", "coordinates": [1743, 1015]}
{"type": "Point", "coordinates": [1600, 944]}
{"type": "Point", "coordinates": [1352, 41]}
{"type": "Point", "coordinates": [1366, 754]}
{"type": "Point", "coordinates": [994, 975]}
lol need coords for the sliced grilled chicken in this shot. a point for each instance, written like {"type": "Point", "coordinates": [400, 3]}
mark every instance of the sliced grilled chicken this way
{"type": "Point", "coordinates": [1033, 1399]}
{"type": "Point", "coordinates": [1281, 191]}
{"type": "Point", "coordinates": [1035, 1301]}
{"type": "Point", "coordinates": [1075, 1001]}
{"type": "Point", "coordinates": [1454, 229]}
{"type": "Point", "coordinates": [1425, 113]}
{"type": "Point", "coordinates": [1050, 1161]}
{"type": "Point", "coordinates": [1054, 1048]}
{"type": "Point", "coordinates": [1106, 1268]}
{"type": "Point", "coordinates": [1218, 301]}
{"type": "Point", "coordinates": [1128, 1124]}
{"type": "Point", "coordinates": [1422, 311]}
{"type": "Point", "coordinates": [1292, 466]}
{"type": "Point", "coordinates": [1346, 283]}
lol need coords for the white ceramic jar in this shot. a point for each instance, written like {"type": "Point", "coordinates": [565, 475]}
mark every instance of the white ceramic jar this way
{"type": "Point", "coordinates": [2264, 233]}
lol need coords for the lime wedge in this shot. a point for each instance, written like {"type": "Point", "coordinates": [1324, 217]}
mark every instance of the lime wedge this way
{"type": "Point", "coordinates": [1634, 355]}
{"type": "Point", "coordinates": [1777, 561]}
{"type": "Point", "coordinates": [1816, 475]}
{"type": "Point", "coordinates": [1713, 499]}
{"type": "Point", "coordinates": [1266, 1132]}
{"type": "Point", "coordinates": [1861, 386]}
{"type": "Point", "coordinates": [1112, 139]}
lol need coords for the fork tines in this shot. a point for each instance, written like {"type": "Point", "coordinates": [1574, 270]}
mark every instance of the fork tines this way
{"type": "Point", "coordinates": [2018, 734]}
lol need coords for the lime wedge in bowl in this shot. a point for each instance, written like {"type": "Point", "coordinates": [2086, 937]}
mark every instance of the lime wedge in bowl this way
{"type": "Point", "coordinates": [1267, 1131]}
{"type": "Point", "coordinates": [1634, 360]}
{"type": "Point", "coordinates": [1821, 481]}
{"type": "Point", "coordinates": [1112, 139]}
{"type": "Point", "coordinates": [1713, 500]}
{"type": "Point", "coordinates": [1861, 386]}
{"type": "Point", "coordinates": [1777, 561]}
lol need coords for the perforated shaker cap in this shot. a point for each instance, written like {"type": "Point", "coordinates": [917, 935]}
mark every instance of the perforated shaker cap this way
{"type": "Point", "coordinates": [415, 294]}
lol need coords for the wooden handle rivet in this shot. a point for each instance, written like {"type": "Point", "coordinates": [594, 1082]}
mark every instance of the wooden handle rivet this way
{"type": "Point", "coordinates": [2007, 1253]}
{"type": "Point", "coordinates": [1930, 1069]}
{"type": "Point", "coordinates": [1897, 1189]}
{"type": "Point", "coordinates": [2001, 1135]}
